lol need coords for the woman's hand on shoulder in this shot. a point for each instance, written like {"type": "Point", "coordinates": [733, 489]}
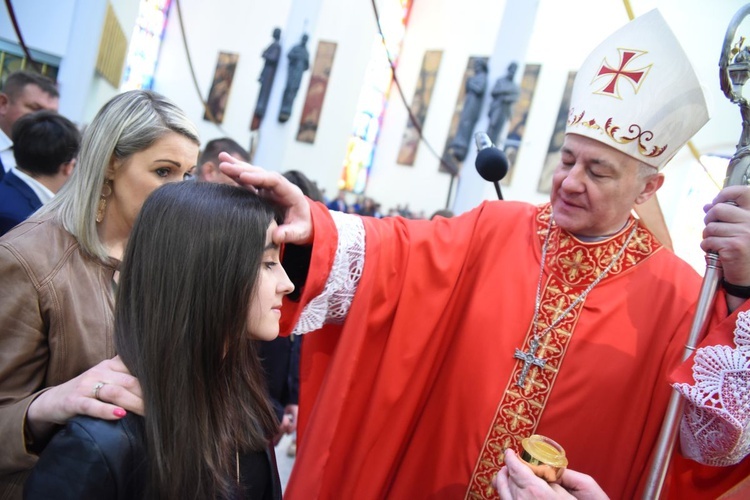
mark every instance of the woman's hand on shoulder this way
{"type": "Point", "coordinates": [107, 391]}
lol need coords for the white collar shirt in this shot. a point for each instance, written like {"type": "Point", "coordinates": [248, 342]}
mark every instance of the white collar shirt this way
{"type": "Point", "coordinates": [42, 191]}
{"type": "Point", "coordinates": [6, 152]}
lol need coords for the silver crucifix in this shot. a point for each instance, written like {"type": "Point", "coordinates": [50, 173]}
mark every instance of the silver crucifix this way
{"type": "Point", "coordinates": [528, 359]}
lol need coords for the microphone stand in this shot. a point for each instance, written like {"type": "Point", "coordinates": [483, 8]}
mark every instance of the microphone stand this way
{"type": "Point", "coordinates": [497, 190]}
{"type": "Point", "coordinates": [483, 142]}
{"type": "Point", "coordinates": [732, 77]}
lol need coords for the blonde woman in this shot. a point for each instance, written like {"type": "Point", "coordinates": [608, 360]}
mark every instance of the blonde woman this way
{"type": "Point", "coordinates": [59, 272]}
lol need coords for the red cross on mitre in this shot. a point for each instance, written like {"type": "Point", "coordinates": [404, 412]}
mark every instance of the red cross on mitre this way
{"type": "Point", "coordinates": [635, 77]}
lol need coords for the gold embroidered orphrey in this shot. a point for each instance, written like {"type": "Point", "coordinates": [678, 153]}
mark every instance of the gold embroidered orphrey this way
{"type": "Point", "coordinates": [571, 268]}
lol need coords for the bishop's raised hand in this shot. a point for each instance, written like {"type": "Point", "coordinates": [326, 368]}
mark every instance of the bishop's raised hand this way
{"type": "Point", "coordinates": [297, 227]}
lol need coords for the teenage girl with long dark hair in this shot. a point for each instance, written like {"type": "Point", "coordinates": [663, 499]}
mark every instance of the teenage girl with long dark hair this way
{"type": "Point", "coordinates": [201, 282]}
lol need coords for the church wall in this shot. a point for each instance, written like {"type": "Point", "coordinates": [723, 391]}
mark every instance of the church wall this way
{"type": "Point", "coordinates": [244, 28]}
{"type": "Point", "coordinates": [460, 30]}
{"type": "Point", "coordinates": [70, 29]}
{"type": "Point", "coordinates": [321, 161]}
{"type": "Point", "coordinates": [101, 90]}
{"type": "Point", "coordinates": [560, 41]}
{"type": "Point", "coordinates": [352, 27]}
{"type": "Point", "coordinates": [49, 32]}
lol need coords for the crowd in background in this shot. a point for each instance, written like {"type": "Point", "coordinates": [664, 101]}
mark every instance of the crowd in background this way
{"type": "Point", "coordinates": [364, 205]}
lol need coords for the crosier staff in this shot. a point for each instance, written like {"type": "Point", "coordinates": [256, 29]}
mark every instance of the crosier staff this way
{"type": "Point", "coordinates": [732, 76]}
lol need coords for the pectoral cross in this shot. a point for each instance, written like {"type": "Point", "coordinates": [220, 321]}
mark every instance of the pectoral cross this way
{"type": "Point", "coordinates": [528, 359]}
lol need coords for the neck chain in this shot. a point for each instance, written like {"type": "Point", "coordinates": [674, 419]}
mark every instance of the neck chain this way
{"type": "Point", "coordinates": [237, 463]}
{"type": "Point", "coordinates": [529, 357]}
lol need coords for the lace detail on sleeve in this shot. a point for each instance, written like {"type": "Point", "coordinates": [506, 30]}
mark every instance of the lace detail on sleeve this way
{"type": "Point", "coordinates": [715, 428]}
{"type": "Point", "coordinates": [332, 305]}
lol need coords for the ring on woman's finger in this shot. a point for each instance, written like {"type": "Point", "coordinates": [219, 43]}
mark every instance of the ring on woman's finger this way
{"type": "Point", "coordinates": [97, 388]}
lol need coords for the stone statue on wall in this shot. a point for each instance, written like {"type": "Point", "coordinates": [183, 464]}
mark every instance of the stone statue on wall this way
{"type": "Point", "coordinates": [271, 55]}
{"type": "Point", "coordinates": [476, 85]}
{"type": "Point", "coordinates": [505, 94]}
{"type": "Point", "coordinates": [299, 62]}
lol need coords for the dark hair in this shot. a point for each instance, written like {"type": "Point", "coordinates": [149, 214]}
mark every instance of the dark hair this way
{"type": "Point", "coordinates": [43, 141]}
{"type": "Point", "coordinates": [442, 213]}
{"type": "Point", "coordinates": [216, 146]}
{"type": "Point", "coordinates": [308, 187]}
{"type": "Point", "coordinates": [188, 276]}
{"type": "Point", "coordinates": [18, 80]}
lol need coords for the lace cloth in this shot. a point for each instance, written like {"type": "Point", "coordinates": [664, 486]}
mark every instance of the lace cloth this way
{"type": "Point", "coordinates": [333, 304]}
{"type": "Point", "coordinates": [716, 420]}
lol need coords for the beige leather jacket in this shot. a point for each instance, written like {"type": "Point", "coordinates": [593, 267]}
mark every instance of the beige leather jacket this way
{"type": "Point", "coordinates": [56, 321]}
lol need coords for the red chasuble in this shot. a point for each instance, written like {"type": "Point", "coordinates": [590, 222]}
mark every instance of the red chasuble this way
{"type": "Point", "coordinates": [415, 395]}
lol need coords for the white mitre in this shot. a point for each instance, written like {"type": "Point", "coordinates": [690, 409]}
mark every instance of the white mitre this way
{"type": "Point", "coordinates": [638, 93]}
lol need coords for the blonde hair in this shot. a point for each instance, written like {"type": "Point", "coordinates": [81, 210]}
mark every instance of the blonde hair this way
{"type": "Point", "coordinates": [129, 123]}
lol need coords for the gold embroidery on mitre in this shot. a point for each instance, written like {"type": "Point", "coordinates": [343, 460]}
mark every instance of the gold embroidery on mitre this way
{"type": "Point", "coordinates": [571, 266]}
{"type": "Point", "coordinates": [644, 137]}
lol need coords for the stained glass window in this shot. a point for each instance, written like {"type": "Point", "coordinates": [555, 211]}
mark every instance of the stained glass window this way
{"type": "Point", "coordinates": [360, 150]}
{"type": "Point", "coordinates": [143, 53]}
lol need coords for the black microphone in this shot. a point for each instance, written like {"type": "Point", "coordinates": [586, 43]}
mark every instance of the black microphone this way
{"type": "Point", "coordinates": [491, 163]}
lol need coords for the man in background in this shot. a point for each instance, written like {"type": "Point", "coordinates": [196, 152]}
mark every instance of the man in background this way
{"type": "Point", "coordinates": [339, 203]}
{"type": "Point", "coordinates": [24, 92]}
{"type": "Point", "coordinates": [45, 149]}
{"type": "Point", "coordinates": [208, 163]}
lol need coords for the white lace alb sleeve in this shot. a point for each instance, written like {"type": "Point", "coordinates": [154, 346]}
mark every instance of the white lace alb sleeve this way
{"type": "Point", "coordinates": [332, 305]}
{"type": "Point", "coordinates": [715, 428]}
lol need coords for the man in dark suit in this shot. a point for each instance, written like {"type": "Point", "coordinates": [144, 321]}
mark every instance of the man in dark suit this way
{"type": "Point", "coordinates": [45, 145]}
